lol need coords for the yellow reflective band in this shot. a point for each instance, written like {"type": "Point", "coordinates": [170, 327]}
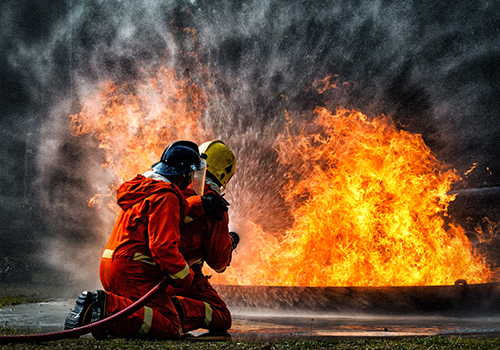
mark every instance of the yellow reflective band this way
{"type": "Point", "coordinates": [148, 320]}
{"type": "Point", "coordinates": [220, 270]}
{"type": "Point", "coordinates": [108, 253]}
{"type": "Point", "coordinates": [144, 258]}
{"type": "Point", "coordinates": [208, 315]}
{"type": "Point", "coordinates": [198, 262]}
{"type": "Point", "coordinates": [181, 274]}
{"type": "Point", "coordinates": [188, 219]}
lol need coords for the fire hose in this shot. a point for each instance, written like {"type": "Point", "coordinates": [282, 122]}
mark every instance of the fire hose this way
{"type": "Point", "coordinates": [76, 332]}
{"type": "Point", "coordinates": [107, 322]}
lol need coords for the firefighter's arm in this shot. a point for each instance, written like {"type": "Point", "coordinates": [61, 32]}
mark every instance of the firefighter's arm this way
{"type": "Point", "coordinates": [164, 237]}
{"type": "Point", "coordinates": [210, 204]}
{"type": "Point", "coordinates": [195, 208]}
{"type": "Point", "coordinates": [217, 245]}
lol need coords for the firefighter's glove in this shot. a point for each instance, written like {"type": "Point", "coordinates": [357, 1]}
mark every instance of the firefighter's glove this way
{"type": "Point", "coordinates": [184, 282]}
{"type": "Point", "coordinates": [235, 239]}
{"type": "Point", "coordinates": [214, 205]}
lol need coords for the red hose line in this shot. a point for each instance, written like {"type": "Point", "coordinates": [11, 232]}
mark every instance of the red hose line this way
{"type": "Point", "coordinates": [76, 332]}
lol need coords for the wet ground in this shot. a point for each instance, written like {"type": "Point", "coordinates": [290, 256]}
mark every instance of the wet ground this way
{"type": "Point", "coordinates": [252, 325]}
{"type": "Point", "coordinates": [267, 325]}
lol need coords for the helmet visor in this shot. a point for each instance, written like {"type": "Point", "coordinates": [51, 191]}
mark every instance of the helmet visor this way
{"type": "Point", "coordinates": [198, 177]}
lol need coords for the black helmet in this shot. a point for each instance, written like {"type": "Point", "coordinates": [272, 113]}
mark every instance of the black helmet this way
{"type": "Point", "coordinates": [178, 158]}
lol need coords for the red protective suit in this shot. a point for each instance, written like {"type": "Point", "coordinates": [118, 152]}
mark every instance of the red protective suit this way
{"type": "Point", "coordinates": [203, 239]}
{"type": "Point", "coordinates": [142, 249]}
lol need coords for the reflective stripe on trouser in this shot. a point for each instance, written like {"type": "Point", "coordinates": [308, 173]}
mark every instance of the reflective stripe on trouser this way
{"type": "Point", "coordinates": [202, 307]}
{"type": "Point", "coordinates": [143, 323]}
{"type": "Point", "coordinates": [127, 280]}
{"type": "Point", "coordinates": [195, 314]}
{"type": "Point", "coordinates": [148, 320]}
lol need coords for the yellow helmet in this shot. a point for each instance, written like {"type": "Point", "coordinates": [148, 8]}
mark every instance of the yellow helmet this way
{"type": "Point", "coordinates": [220, 160]}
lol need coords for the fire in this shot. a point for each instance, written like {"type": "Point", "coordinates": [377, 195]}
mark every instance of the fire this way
{"type": "Point", "coordinates": [368, 200]}
{"type": "Point", "coordinates": [135, 124]}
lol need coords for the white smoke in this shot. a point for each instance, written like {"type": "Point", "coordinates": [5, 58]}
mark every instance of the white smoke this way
{"type": "Point", "coordinates": [433, 58]}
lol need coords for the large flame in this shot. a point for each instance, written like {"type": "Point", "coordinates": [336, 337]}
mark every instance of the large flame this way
{"type": "Point", "coordinates": [370, 202]}
{"type": "Point", "coordinates": [368, 199]}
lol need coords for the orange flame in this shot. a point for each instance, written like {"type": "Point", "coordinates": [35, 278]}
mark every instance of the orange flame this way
{"type": "Point", "coordinates": [368, 199]}
{"type": "Point", "coordinates": [370, 202]}
{"type": "Point", "coordinates": [134, 125]}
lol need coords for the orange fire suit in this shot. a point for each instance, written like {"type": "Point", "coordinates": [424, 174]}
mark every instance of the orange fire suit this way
{"type": "Point", "coordinates": [203, 239]}
{"type": "Point", "coordinates": [142, 249]}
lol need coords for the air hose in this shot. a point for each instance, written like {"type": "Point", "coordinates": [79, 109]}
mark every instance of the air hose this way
{"type": "Point", "coordinates": [102, 324]}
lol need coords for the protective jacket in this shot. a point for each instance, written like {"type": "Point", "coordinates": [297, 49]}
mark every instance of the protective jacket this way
{"type": "Point", "coordinates": [147, 228]}
{"type": "Point", "coordinates": [142, 249]}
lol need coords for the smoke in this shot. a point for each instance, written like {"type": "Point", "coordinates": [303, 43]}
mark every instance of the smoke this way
{"type": "Point", "coordinates": [431, 66]}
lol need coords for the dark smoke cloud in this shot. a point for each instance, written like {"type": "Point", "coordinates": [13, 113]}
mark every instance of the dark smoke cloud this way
{"type": "Point", "coordinates": [433, 66]}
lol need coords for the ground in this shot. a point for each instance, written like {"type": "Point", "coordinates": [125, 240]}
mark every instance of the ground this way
{"type": "Point", "coordinates": [253, 329]}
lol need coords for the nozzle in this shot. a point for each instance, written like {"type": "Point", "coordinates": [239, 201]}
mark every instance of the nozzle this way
{"type": "Point", "coordinates": [235, 239]}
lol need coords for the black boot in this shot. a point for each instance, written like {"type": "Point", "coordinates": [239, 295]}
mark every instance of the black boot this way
{"type": "Point", "coordinates": [99, 298]}
{"type": "Point", "coordinates": [81, 313]}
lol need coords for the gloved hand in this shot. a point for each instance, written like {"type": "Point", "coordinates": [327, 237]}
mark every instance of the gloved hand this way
{"type": "Point", "coordinates": [213, 205]}
{"type": "Point", "coordinates": [184, 282]}
{"type": "Point", "coordinates": [235, 239]}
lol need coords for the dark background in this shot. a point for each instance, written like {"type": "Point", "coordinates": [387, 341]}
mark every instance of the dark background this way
{"type": "Point", "coordinates": [433, 66]}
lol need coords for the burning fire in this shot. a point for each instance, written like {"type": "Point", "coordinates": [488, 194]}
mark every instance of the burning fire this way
{"type": "Point", "coordinates": [135, 124]}
{"type": "Point", "coordinates": [368, 200]}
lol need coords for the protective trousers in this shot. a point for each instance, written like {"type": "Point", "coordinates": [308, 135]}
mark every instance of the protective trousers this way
{"type": "Point", "coordinates": [201, 306]}
{"type": "Point", "coordinates": [123, 276]}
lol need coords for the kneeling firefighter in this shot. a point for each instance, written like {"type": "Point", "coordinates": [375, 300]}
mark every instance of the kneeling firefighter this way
{"type": "Point", "coordinates": [205, 238]}
{"type": "Point", "coordinates": [143, 248]}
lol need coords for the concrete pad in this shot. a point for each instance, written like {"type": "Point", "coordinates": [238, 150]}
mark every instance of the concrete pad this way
{"type": "Point", "coordinates": [251, 325]}
{"type": "Point", "coordinates": [269, 325]}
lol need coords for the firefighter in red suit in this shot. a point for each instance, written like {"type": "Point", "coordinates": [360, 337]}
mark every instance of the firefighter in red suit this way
{"type": "Point", "coordinates": [143, 248]}
{"type": "Point", "coordinates": [205, 238]}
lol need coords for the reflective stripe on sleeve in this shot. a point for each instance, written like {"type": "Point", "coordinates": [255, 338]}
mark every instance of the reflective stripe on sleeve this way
{"type": "Point", "coordinates": [148, 320]}
{"type": "Point", "coordinates": [144, 258]}
{"type": "Point", "coordinates": [208, 314]}
{"type": "Point", "coordinates": [195, 262]}
{"type": "Point", "coordinates": [107, 253]}
{"type": "Point", "coordinates": [181, 274]}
